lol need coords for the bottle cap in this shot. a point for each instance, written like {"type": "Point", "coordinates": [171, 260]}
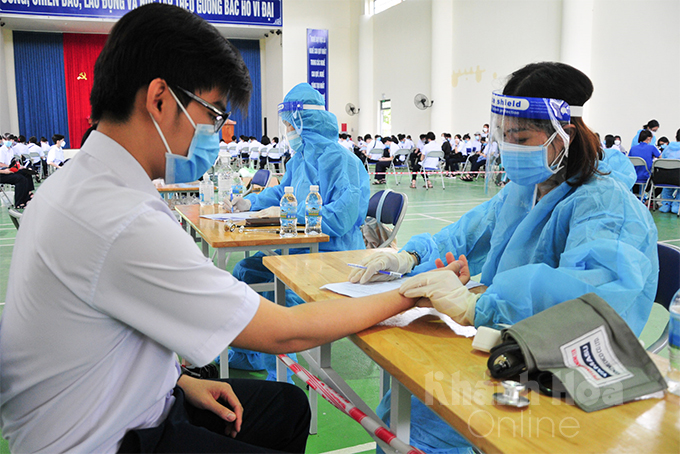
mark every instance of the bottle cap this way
{"type": "Point", "coordinates": [288, 190]}
{"type": "Point", "coordinates": [314, 188]}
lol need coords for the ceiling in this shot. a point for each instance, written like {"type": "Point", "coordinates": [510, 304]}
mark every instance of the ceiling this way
{"type": "Point", "coordinates": [103, 26]}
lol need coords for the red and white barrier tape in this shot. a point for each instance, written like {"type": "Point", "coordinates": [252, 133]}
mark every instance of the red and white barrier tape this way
{"type": "Point", "coordinates": [342, 404]}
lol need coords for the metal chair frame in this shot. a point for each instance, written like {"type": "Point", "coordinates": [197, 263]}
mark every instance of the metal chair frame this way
{"type": "Point", "coordinates": [667, 164]}
{"type": "Point", "coordinates": [639, 162]}
{"type": "Point", "coordinates": [424, 170]}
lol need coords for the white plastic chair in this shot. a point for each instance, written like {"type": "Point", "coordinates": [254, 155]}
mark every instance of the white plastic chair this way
{"type": "Point", "coordinates": [639, 162]}
{"type": "Point", "coordinates": [433, 163]}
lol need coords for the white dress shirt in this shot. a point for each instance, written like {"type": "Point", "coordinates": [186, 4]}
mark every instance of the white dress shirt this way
{"type": "Point", "coordinates": [89, 352]}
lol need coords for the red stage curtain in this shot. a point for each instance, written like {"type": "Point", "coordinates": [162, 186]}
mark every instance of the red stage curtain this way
{"type": "Point", "coordinates": [80, 53]}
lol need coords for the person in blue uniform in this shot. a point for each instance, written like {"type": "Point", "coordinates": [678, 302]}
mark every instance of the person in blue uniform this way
{"type": "Point", "coordinates": [563, 226]}
{"type": "Point", "coordinates": [320, 160]}
{"type": "Point", "coordinates": [646, 151]}
{"type": "Point", "coordinates": [672, 151]}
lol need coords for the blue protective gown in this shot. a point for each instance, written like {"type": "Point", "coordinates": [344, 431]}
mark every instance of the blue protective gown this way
{"type": "Point", "coordinates": [594, 238]}
{"type": "Point", "coordinates": [672, 151]}
{"type": "Point", "coordinates": [344, 187]}
{"type": "Point", "coordinates": [621, 167]}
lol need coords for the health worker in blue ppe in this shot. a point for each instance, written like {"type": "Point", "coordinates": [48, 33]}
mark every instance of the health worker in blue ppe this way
{"type": "Point", "coordinates": [343, 182]}
{"type": "Point", "coordinates": [562, 227]}
{"type": "Point", "coordinates": [621, 167]}
{"type": "Point", "coordinates": [672, 151]}
{"type": "Point", "coordinates": [651, 126]}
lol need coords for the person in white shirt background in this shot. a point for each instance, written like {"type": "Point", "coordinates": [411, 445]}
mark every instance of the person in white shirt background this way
{"type": "Point", "coordinates": [55, 157]}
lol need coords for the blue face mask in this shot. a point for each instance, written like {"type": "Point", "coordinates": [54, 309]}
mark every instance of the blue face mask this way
{"type": "Point", "coordinates": [662, 146]}
{"type": "Point", "coordinates": [203, 152]}
{"type": "Point", "coordinates": [527, 165]}
{"type": "Point", "coordinates": [294, 140]}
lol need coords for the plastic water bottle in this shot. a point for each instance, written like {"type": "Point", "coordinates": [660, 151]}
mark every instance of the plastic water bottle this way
{"type": "Point", "coordinates": [224, 182]}
{"type": "Point", "coordinates": [206, 191]}
{"type": "Point", "coordinates": [313, 211]}
{"type": "Point", "coordinates": [673, 378]}
{"type": "Point", "coordinates": [288, 213]}
{"type": "Point", "coordinates": [237, 185]}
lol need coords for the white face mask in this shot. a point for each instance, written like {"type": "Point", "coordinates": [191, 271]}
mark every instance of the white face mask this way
{"type": "Point", "coordinates": [62, 144]}
{"type": "Point", "coordinates": [617, 142]}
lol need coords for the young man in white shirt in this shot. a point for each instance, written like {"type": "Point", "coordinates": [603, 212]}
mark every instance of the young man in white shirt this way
{"type": "Point", "coordinates": [87, 358]}
{"type": "Point", "coordinates": [55, 157]}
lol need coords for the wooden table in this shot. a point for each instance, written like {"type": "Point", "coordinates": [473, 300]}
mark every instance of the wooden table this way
{"type": "Point", "coordinates": [442, 370]}
{"type": "Point", "coordinates": [213, 233]}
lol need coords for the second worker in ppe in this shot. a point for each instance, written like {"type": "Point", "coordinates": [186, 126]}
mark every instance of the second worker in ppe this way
{"type": "Point", "coordinates": [320, 160]}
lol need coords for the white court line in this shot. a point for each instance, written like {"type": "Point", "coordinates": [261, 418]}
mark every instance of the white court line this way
{"type": "Point", "coordinates": [444, 203]}
{"type": "Point", "coordinates": [438, 213]}
{"type": "Point", "coordinates": [670, 241]}
{"type": "Point", "coordinates": [6, 245]}
{"type": "Point", "coordinates": [353, 449]}
{"type": "Point", "coordinates": [432, 217]}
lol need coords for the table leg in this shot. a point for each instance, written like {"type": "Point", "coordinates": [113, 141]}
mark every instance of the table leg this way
{"type": "Point", "coordinates": [400, 411]}
{"type": "Point", "coordinates": [314, 397]}
{"type": "Point", "coordinates": [206, 248]}
{"type": "Point", "coordinates": [384, 382]}
{"type": "Point", "coordinates": [224, 363]}
{"type": "Point", "coordinates": [314, 248]}
{"type": "Point", "coordinates": [221, 258]}
{"type": "Point", "coordinates": [280, 299]}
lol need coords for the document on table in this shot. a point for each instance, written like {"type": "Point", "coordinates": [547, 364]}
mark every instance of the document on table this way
{"type": "Point", "coordinates": [405, 318]}
{"type": "Point", "coordinates": [359, 290]}
{"type": "Point", "coordinates": [230, 216]}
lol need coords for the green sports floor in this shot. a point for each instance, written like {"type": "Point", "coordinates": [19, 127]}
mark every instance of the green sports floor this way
{"type": "Point", "coordinates": [428, 211]}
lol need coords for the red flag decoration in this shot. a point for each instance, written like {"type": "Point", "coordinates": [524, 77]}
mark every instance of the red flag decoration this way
{"type": "Point", "coordinates": [80, 53]}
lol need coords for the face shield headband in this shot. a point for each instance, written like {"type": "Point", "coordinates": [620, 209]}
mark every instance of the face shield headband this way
{"type": "Point", "coordinates": [290, 115]}
{"type": "Point", "coordinates": [511, 117]}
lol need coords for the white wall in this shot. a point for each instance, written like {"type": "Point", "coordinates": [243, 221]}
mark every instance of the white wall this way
{"type": "Point", "coordinates": [336, 17]}
{"type": "Point", "coordinates": [635, 67]}
{"type": "Point", "coordinates": [402, 48]}
{"type": "Point", "coordinates": [9, 116]}
{"type": "Point", "coordinates": [634, 64]}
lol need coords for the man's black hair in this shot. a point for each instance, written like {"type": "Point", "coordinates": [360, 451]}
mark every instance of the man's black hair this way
{"type": "Point", "coordinates": [56, 138]}
{"type": "Point", "coordinates": [163, 41]}
{"type": "Point", "coordinates": [33, 140]}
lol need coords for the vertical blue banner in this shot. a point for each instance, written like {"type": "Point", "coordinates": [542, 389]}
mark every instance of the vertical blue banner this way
{"type": "Point", "coordinates": [317, 61]}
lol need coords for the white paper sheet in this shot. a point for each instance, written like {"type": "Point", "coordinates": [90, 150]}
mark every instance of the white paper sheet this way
{"type": "Point", "coordinates": [405, 318]}
{"type": "Point", "coordinates": [359, 290]}
{"type": "Point", "coordinates": [230, 216]}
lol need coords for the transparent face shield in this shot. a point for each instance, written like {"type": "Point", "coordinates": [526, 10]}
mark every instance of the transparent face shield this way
{"type": "Point", "coordinates": [291, 124]}
{"type": "Point", "coordinates": [527, 140]}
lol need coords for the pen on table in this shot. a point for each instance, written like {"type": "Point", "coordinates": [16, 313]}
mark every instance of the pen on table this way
{"type": "Point", "coordinates": [389, 273]}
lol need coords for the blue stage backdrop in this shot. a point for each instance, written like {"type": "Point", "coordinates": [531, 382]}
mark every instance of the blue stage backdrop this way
{"type": "Point", "coordinates": [250, 125]}
{"type": "Point", "coordinates": [41, 88]}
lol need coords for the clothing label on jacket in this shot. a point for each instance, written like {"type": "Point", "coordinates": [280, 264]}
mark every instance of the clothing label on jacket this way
{"type": "Point", "coordinates": [592, 356]}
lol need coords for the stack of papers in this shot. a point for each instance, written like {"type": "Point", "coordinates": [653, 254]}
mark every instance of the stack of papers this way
{"type": "Point", "coordinates": [230, 216]}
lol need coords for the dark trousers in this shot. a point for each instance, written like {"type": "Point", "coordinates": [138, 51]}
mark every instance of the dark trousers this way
{"type": "Point", "coordinates": [22, 187]}
{"type": "Point", "coordinates": [453, 160]}
{"type": "Point", "coordinates": [380, 169]}
{"type": "Point", "coordinates": [275, 419]}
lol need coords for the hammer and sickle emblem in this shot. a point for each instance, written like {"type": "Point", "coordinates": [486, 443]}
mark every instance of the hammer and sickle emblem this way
{"type": "Point", "coordinates": [82, 76]}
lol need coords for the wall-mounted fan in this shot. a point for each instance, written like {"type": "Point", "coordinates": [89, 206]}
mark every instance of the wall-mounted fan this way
{"type": "Point", "coordinates": [422, 102]}
{"type": "Point", "coordinates": [351, 109]}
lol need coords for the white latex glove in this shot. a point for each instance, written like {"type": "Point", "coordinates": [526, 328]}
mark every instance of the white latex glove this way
{"type": "Point", "coordinates": [447, 294]}
{"type": "Point", "coordinates": [388, 260]}
{"type": "Point", "coordinates": [237, 205]}
{"type": "Point", "coordinates": [271, 212]}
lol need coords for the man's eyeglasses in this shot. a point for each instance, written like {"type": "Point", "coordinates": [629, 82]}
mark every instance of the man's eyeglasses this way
{"type": "Point", "coordinates": [220, 116]}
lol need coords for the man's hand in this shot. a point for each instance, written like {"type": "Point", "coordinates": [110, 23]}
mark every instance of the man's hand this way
{"type": "Point", "coordinates": [204, 394]}
{"type": "Point", "coordinates": [237, 205]}
{"type": "Point", "coordinates": [460, 266]}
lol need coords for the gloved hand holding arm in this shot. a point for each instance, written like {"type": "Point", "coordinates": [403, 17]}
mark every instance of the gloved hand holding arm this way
{"type": "Point", "coordinates": [446, 292]}
{"type": "Point", "coordinates": [387, 260]}
{"type": "Point", "coordinates": [237, 205]}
